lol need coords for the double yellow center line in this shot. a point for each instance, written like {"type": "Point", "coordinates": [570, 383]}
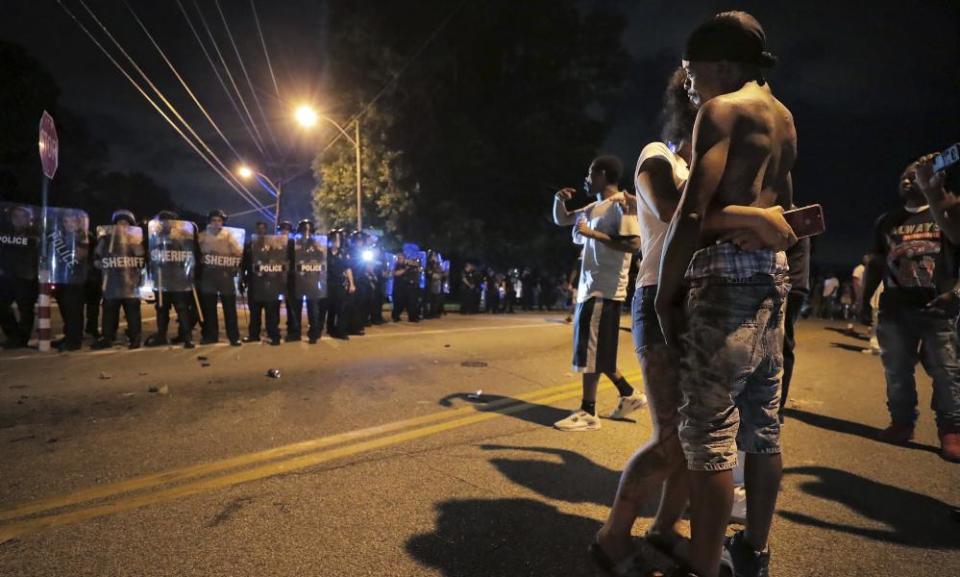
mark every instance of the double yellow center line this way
{"type": "Point", "coordinates": [130, 494]}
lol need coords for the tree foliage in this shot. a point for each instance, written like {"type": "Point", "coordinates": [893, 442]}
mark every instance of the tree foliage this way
{"type": "Point", "coordinates": [510, 101]}
{"type": "Point", "coordinates": [81, 181]}
{"type": "Point", "coordinates": [386, 189]}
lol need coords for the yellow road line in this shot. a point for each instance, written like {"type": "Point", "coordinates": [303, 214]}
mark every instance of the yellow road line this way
{"type": "Point", "coordinates": [204, 469]}
{"type": "Point", "coordinates": [136, 501]}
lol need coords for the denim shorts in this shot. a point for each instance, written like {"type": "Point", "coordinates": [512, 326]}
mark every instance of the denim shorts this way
{"type": "Point", "coordinates": [646, 326]}
{"type": "Point", "coordinates": [731, 369]}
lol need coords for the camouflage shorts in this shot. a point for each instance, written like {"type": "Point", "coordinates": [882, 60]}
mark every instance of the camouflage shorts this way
{"type": "Point", "coordinates": [731, 369]}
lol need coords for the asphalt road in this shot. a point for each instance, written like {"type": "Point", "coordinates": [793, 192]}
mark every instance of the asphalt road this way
{"type": "Point", "coordinates": [367, 458]}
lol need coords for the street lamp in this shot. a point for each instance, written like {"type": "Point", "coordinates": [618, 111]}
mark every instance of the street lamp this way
{"type": "Point", "coordinates": [307, 118]}
{"type": "Point", "coordinates": [276, 190]}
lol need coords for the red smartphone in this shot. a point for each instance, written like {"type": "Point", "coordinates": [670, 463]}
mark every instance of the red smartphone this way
{"type": "Point", "coordinates": [806, 221]}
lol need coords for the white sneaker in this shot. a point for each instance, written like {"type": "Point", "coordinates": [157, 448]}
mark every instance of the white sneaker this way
{"type": "Point", "coordinates": [578, 421]}
{"type": "Point", "coordinates": [739, 512]}
{"type": "Point", "coordinates": [628, 405]}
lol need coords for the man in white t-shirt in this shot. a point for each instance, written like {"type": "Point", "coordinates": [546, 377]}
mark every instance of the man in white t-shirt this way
{"type": "Point", "coordinates": [831, 290]}
{"type": "Point", "coordinates": [857, 276]}
{"type": "Point", "coordinates": [609, 237]}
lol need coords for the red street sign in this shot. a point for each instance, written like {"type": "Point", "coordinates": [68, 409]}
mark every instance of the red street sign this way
{"type": "Point", "coordinates": [49, 145]}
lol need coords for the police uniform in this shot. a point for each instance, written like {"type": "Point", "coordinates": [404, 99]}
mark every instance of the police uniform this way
{"type": "Point", "coordinates": [380, 276]}
{"type": "Point", "coordinates": [337, 293]}
{"type": "Point", "coordinates": [307, 284]}
{"type": "Point", "coordinates": [408, 281]}
{"type": "Point", "coordinates": [174, 257]}
{"type": "Point", "coordinates": [435, 274]}
{"type": "Point", "coordinates": [19, 256]}
{"type": "Point", "coordinates": [70, 256]}
{"type": "Point", "coordinates": [218, 266]}
{"type": "Point", "coordinates": [265, 273]}
{"type": "Point", "coordinates": [120, 256]}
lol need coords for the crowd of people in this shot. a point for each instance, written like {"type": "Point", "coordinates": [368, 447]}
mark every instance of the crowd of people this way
{"type": "Point", "coordinates": [528, 289]}
{"type": "Point", "coordinates": [340, 279]}
{"type": "Point", "coordinates": [723, 278]}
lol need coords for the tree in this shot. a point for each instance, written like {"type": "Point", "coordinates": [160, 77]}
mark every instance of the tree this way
{"type": "Point", "coordinates": [81, 182]}
{"type": "Point", "coordinates": [387, 196]}
{"type": "Point", "coordinates": [102, 193]}
{"type": "Point", "coordinates": [510, 101]}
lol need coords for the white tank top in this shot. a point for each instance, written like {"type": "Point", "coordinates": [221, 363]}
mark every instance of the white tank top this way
{"type": "Point", "coordinates": [652, 229]}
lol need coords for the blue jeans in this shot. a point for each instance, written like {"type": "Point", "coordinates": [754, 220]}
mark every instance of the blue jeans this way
{"type": "Point", "coordinates": [906, 337]}
{"type": "Point", "coordinates": [731, 369]}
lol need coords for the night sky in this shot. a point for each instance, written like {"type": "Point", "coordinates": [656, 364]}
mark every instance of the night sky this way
{"type": "Point", "coordinates": [872, 85]}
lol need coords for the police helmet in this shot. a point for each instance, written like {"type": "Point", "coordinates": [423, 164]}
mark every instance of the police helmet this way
{"type": "Point", "coordinates": [305, 222]}
{"type": "Point", "coordinates": [123, 214]}
{"type": "Point", "coordinates": [217, 213]}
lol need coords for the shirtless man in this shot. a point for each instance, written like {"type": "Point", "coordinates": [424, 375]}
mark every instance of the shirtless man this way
{"type": "Point", "coordinates": [729, 291]}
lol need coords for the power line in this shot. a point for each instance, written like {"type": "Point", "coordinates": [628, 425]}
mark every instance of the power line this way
{"type": "Point", "coordinates": [216, 73]}
{"type": "Point", "coordinates": [156, 107]}
{"type": "Point", "coordinates": [396, 76]}
{"type": "Point", "coordinates": [243, 68]}
{"type": "Point", "coordinates": [182, 81]}
{"type": "Point", "coordinates": [263, 43]}
{"type": "Point", "coordinates": [162, 97]}
{"type": "Point", "coordinates": [243, 103]}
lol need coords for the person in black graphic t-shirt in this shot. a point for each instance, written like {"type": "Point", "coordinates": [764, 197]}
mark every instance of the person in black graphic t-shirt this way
{"type": "Point", "coordinates": [915, 255]}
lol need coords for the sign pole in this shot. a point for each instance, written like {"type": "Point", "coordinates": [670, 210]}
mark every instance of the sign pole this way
{"type": "Point", "coordinates": [46, 289]}
{"type": "Point", "coordinates": [49, 159]}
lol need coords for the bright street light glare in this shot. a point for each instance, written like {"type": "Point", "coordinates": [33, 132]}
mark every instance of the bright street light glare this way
{"type": "Point", "coordinates": [306, 116]}
{"type": "Point", "coordinates": [245, 172]}
{"type": "Point", "coordinates": [367, 255]}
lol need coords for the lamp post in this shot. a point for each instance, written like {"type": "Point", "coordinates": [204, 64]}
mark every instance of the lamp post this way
{"type": "Point", "coordinates": [307, 117]}
{"type": "Point", "coordinates": [276, 189]}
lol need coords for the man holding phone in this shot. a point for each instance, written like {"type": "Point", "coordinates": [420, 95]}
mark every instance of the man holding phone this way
{"type": "Point", "coordinates": [730, 296]}
{"type": "Point", "coordinates": [915, 256]}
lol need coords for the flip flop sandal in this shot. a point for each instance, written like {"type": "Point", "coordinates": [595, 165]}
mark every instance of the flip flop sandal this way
{"type": "Point", "coordinates": [645, 562]}
{"type": "Point", "coordinates": [676, 547]}
{"type": "Point", "coordinates": [622, 569]}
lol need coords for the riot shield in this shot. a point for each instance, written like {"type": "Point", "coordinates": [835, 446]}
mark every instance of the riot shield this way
{"type": "Point", "coordinates": [120, 256]}
{"type": "Point", "coordinates": [390, 265]}
{"type": "Point", "coordinates": [221, 253]}
{"type": "Point", "coordinates": [172, 254]}
{"type": "Point", "coordinates": [68, 244]}
{"type": "Point", "coordinates": [19, 241]}
{"type": "Point", "coordinates": [445, 265]}
{"type": "Point", "coordinates": [422, 257]}
{"type": "Point", "coordinates": [310, 266]}
{"type": "Point", "coordinates": [269, 265]}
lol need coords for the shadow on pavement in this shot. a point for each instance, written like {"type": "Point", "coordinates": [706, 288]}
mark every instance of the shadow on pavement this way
{"type": "Point", "coordinates": [910, 518]}
{"type": "Point", "coordinates": [847, 427]}
{"type": "Point", "coordinates": [505, 538]}
{"type": "Point", "coordinates": [847, 347]}
{"type": "Point", "coordinates": [539, 414]}
{"type": "Point", "coordinates": [575, 479]}
{"type": "Point", "coordinates": [852, 333]}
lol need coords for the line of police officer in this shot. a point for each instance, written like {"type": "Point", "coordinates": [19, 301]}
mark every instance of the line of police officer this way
{"type": "Point", "coordinates": [338, 277]}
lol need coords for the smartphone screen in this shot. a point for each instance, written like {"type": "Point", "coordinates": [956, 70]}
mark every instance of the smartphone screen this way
{"type": "Point", "coordinates": [946, 158]}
